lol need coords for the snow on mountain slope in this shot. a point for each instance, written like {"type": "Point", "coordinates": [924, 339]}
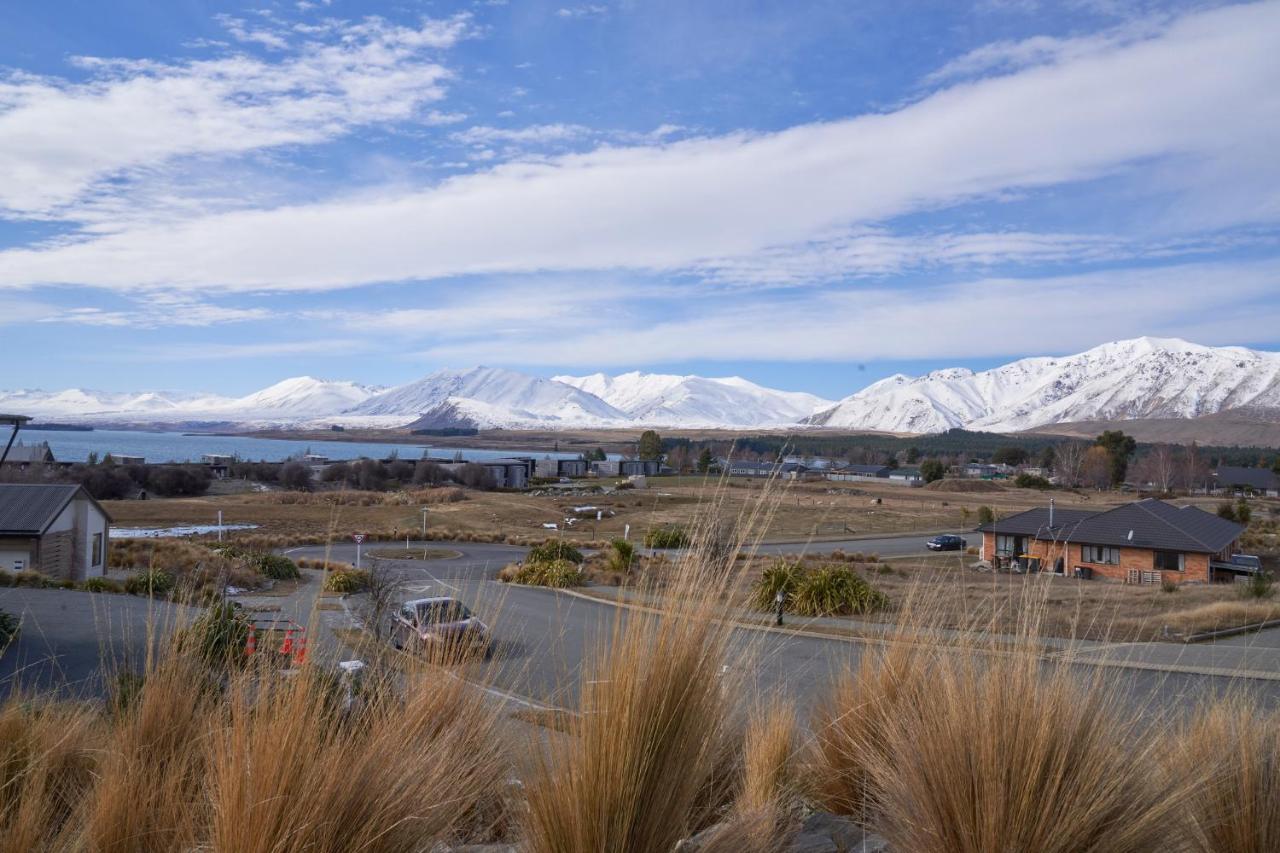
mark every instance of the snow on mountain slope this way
{"type": "Point", "coordinates": [302, 395]}
{"type": "Point", "coordinates": [1140, 378]}
{"type": "Point", "coordinates": [659, 399]}
{"type": "Point", "coordinates": [500, 398]}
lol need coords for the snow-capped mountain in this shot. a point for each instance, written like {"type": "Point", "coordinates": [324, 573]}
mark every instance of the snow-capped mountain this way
{"type": "Point", "coordinates": [286, 401]}
{"type": "Point", "coordinates": [493, 398]}
{"type": "Point", "coordinates": [659, 399]}
{"type": "Point", "coordinates": [1140, 378]}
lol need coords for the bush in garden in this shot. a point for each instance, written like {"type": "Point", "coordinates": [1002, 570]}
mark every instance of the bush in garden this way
{"type": "Point", "coordinates": [783, 576]}
{"type": "Point", "coordinates": [554, 549]}
{"type": "Point", "coordinates": [101, 585]}
{"type": "Point", "coordinates": [154, 583]}
{"type": "Point", "coordinates": [621, 555]}
{"type": "Point", "coordinates": [346, 581]}
{"type": "Point", "coordinates": [667, 537]}
{"type": "Point", "coordinates": [9, 625]}
{"type": "Point", "coordinates": [275, 566]}
{"type": "Point", "coordinates": [835, 591]}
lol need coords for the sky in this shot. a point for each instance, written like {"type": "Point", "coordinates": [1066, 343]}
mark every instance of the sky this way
{"type": "Point", "coordinates": [813, 195]}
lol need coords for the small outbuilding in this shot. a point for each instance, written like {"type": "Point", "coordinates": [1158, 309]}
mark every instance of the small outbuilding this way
{"type": "Point", "coordinates": [58, 530]}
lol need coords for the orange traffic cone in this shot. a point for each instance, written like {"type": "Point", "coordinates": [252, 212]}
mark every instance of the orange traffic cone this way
{"type": "Point", "coordinates": [250, 643]}
{"type": "Point", "coordinates": [300, 649]}
{"type": "Point", "coordinates": [286, 648]}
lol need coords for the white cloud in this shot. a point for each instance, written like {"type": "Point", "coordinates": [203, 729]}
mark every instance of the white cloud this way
{"type": "Point", "coordinates": [242, 32]}
{"type": "Point", "coordinates": [60, 140]}
{"type": "Point", "coordinates": [1209, 303]}
{"type": "Point", "coordinates": [1201, 94]}
{"type": "Point", "coordinates": [535, 134]}
{"type": "Point", "coordinates": [587, 10]}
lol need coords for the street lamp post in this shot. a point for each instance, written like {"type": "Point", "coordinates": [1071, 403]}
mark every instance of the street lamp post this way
{"type": "Point", "coordinates": [780, 600]}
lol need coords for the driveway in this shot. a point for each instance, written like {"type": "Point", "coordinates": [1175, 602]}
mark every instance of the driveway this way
{"type": "Point", "coordinates": [74, 641]}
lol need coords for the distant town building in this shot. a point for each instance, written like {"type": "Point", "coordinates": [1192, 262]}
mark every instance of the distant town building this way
{"type": "Point", "coordinates": [24, 455]}
{"type": "Point", "coordinates": [1233, 478]}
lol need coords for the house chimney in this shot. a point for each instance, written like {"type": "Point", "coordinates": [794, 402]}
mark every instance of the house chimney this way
{"type": "Point", "coordinates": [1050, 513]}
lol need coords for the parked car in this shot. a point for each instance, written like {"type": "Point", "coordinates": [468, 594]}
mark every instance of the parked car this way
{"type": "Point", "coordinates": [1247, 562]}
{"type": "Point", "coordinates": [946, 542]}
{"type": "Point", "coordinates": [439, 624]}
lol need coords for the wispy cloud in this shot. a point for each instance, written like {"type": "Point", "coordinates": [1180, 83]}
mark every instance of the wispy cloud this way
{"type": "Point", "coordinates": [1199, 95]}
{"type": "Point", "coordinates": [1210, 303]}
{"type": "Point", "coordinates": [60, 140]}
{"type": "Point", "coordinates": [586, 10]}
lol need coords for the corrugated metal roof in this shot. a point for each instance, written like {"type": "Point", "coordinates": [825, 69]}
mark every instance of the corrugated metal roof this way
{"type": "Point", "coordinates": [27, 509]}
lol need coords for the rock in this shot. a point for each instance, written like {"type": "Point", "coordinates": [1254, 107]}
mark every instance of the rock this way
{"type": "Point", "coordinates": [826, 833]}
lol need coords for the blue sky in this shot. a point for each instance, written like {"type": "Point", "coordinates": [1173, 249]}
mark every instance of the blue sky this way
{"type": "Point", "coordinates": [215, 196]}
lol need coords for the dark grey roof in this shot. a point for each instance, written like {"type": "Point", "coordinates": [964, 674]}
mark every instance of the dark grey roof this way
{"type": "Point", "coordinates": [1257, 478]}
{"type": "Point", "coordinates": [1035, 522]}
{"type": "Point", "coordinates": [27, 509]}
{"type": "Point", "coordinates": [1154, 524]}
{"type": "Point", "coordinates": [870, 470]}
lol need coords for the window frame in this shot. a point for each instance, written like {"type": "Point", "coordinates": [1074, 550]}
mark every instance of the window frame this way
{"type": "Point", "coordinates": [1088, 553]}
{"type": "Point", "coordinates": [1010, 547]}
{"type": "Point", "coordinates": [95, 554]}
{"type": "Point", "coordinates": [1156, 555]}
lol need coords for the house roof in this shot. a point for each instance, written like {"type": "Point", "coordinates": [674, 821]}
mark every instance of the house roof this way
{"type": "Point", "coordinates": [29, 452]}
{"type": "Point", "coordinates": [1035, 522]}
{"type": "Point", "coordinates": [873, 470]}
{"type": "Point", "coordinates": [1256, 478]}
{"type": "Point", "coordinates": [28, 509]}
{"type": "Point", "coordinates": [1145, 524]}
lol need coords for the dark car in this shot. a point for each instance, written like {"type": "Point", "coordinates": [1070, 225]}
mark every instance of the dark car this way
{"type": "Point", "coordinates": [436, 624]}
{"type": "Point", "coordinates": [946, 542]}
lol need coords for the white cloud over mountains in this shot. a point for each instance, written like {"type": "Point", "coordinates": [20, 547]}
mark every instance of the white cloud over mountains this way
{"type": "Point", "coordinates": [1200, 93]}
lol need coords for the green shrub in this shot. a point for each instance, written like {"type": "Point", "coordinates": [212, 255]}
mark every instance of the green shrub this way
{"type": "Point", "coordinates": [1259, 585]}
{"type": "Point", "coordinates": [835, 591]}
{"type": "Point", "coordinates": [6, 578]}
{"type": "Point", "coordinates": [783, 576]}
{"type": "Point", "coordinates": [275, 566]}
{"type": "Point", "coordinates": [558, 574]}
{"type": "Point", "coordinates": [552, 550]}
{"type": "Point", "coordinates": [219, 634]}
{"type": "Point", "coordinates": [9, 626]}
{"type": "Point", "coordinates": [346, 581]}
{"type": "Point", "coordinates": [101, 585]}
{"type": "Point", "coordinates": [32, 579]}
{"type": "Point", "coordinates": [667, 537]}
{"type": "Point", "coordinates": [986, 515]}
{"type": "Point", "coordinates": [154, 583]}
{"type": "Point", "coordinates": [1031, 481]}
{"type": "Point", "coordinates": [1167, 585]}
{"type": "Point", "coordinates": [621, 555]}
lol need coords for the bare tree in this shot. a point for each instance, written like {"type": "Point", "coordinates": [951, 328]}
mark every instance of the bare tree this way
{"type": "Point", "coordinates": [1162, 467]}
{"type": "Point", "coordinates": [1095, 469]}
{"type": "Point", "coordinates": [1194, 473]}
{"type": "Point", "coordinates": [1069, 462]}
{"type": "Point", "coordinates": [385, 592]}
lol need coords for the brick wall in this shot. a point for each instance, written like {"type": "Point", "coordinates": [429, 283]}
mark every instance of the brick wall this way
{"type": "Point", "coordinates": [1196, 566]}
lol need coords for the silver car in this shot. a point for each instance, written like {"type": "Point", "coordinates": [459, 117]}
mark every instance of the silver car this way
{"type": "Point", "coordinates": [430, 624]}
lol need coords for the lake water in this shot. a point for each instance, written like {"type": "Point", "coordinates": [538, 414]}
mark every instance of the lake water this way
{"type": "Point", "coordinates": [176, 447]}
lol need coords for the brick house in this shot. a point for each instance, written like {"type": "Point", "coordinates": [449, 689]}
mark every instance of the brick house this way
{"type": "Point", "coordinates": [1144, 542]}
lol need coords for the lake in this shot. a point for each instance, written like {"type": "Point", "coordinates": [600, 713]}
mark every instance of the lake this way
{"type": "Point", "coordinates": [176, 447]}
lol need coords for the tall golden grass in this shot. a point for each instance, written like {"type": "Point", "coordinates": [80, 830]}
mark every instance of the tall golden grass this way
{"type": "Point", "coordinates": [962, 743]}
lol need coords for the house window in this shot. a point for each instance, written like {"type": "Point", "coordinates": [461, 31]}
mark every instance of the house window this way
{"type": "Point", "coordinates": [1100, 554]}
{"type": "Point", "coordinates": [97, 550]}
{"type": "Point", "coordinates": [1169, 561]}
{"type": "Point", "coordinates": [1006, 546]}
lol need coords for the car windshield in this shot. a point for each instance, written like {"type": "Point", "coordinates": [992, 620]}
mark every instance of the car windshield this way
{"type": "Point", "coordinates": [437, 612]}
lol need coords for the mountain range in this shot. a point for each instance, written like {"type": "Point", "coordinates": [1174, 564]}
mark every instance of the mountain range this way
{"type": "Point", "coordinates": [1143, 378]}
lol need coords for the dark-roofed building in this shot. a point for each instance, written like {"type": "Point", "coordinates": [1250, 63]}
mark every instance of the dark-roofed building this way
{"type": "Point", "coordinates": [857, 472]}
{"type": "Point", "coordinates": [1143, 542]}
{"type": "Point", "coordinates": [781, 470]}
{"type": "Point", "coordinates": [22, 455]}
{"type": "Point", "coordinates": [58, 530]}
{"type": "Point", "coordinates": [1233, 478]}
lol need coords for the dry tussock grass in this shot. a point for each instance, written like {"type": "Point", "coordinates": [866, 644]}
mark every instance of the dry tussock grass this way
{"type": "Point", "coordinates": [345, 497]}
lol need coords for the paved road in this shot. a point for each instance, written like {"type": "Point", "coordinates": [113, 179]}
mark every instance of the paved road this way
{"type": "Point", "coordinates": [74, 641]}
{"type": "Point", "coordinates": [544, 637]}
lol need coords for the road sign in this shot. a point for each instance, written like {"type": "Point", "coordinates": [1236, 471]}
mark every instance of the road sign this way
{"type": "Point", "coordinates": [359, 537]}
